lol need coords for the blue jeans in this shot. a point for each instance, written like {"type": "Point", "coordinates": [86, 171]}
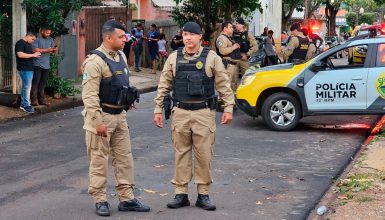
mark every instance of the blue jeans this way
{"type": "Point", "coordinates": [26, 80]}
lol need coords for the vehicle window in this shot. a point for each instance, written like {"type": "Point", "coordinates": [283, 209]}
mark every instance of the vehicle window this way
{"type": "Point", "coordinates": [381, 55]}
{"type": "Point", "coordinates": [362, 32]}
{"type": "Point", "coordinates": [350, 57]}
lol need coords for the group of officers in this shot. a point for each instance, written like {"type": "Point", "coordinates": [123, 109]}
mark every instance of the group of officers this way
{"type": "Point", "coordinates": [193, 76]}
{"type": "Point", "coordinates": [236, 46]}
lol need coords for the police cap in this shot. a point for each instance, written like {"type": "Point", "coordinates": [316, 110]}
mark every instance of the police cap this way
{"type": "Point", "coordinates": [111, 25]}
{"type": "Point", "coordinates": [240, 21]}
{"type": "Point", "coordinates": [192, 27]}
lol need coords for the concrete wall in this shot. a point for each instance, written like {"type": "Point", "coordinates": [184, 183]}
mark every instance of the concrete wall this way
{"type": "Point", "coordinates": [170, 29]}
{"type": "Point", "coordinates": [68, 47]}
{"type": "Point", "coordinates": [270, 17]}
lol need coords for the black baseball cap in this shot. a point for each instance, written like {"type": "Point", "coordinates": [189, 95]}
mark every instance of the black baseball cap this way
{"type": "Point", "coordinates": [240, 21]}
{"type": "Point", "coordinates": [110, 25]}
{"type": "Point", "coordinates": [192, 27]}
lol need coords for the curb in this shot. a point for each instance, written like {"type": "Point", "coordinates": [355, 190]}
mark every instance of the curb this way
{"type": "Point", "coordinates": [329, 195]}
{"type": "Point", "coordinates": [67, 105]}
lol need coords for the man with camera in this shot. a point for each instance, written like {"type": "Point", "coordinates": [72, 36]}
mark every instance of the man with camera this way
{"type": "Point", "coordinates": [106, 96]}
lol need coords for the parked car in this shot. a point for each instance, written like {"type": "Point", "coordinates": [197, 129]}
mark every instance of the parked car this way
{"type": "Point", "coordinates": [283, 94]}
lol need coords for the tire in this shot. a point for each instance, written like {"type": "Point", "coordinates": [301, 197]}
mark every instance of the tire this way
{"type": "Point", "coordinates": [271, 105]}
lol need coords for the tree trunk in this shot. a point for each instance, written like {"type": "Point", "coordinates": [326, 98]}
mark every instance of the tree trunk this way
{"type": "Point", "coordinates": [286, 17]}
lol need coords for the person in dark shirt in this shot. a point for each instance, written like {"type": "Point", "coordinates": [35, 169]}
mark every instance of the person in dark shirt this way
{"type": "Point", "coordinates": [24, 61]}
{"type": "Point", "coordinates": [152, 39]}
{"type": "Point", "coordinates": [177, 41]}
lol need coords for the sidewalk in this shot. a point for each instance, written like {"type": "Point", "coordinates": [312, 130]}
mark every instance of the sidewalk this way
{"type": "Point", "coordinates": [359, 193]}
{"type": "Point", "coordinates": [144, 81]}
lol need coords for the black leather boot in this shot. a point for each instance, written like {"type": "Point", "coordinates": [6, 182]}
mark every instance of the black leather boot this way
{"type": "Point", "coordinates": [179, 201]}
{"type": "Point", "coordinates": [133, 205]}
{"type": "Point", "coordinates": [204, 202]}
{"type": "Point", "coordinates": [102, 208]}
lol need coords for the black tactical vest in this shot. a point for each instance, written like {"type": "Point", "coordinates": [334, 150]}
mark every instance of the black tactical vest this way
{"type": "Point", "coordinates": [235, 55]}
{"type": "Point", "coordinates": [110, 88]}
{"type": "Point", "coordinates": [191, 82]}
{"type": "Point", "coordinates": [300, 52]}
{"type": "Point", "coordinates": [242, 39]}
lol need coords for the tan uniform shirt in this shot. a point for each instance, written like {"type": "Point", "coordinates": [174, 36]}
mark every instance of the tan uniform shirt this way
{"type": "Point", "coordinates": [95, 69]}
{"type": "Point", "coordinates": [214, 67]}
{"type": "Point", "coordinates": [253, 44]}
{"type": "Point", "coordinates": [311, 51]}
{"type": "Point", "coordinates": [225, 46]}
{"type": "Point", "coordinates": [293, 43]}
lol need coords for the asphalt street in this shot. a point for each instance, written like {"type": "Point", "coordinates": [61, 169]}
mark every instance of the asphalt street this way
{"type": "Point", "coordinates": [258, 173]}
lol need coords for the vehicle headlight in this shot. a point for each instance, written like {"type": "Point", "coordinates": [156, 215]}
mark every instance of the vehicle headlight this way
{"type": "Point", "coordinates": [247, 79]}
{"type": "Point", "coordinates": [249, 75]}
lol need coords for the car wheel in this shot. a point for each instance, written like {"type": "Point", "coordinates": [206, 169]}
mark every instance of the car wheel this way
{"type": "Point", "coordinates": [281, 112]}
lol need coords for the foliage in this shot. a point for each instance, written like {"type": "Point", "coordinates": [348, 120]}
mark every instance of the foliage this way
{"type": "Point", "coordinates": [351, 19]}
{"type": "Point", "coordinates": [367, 18]}
{"type": "Point", "coordinates": [208, 13]}
{"type": "Point", "coordinates": [5, 27]}
{"type": "Point", "coordinates": [63, 86]}
{"type": "Point", "coordinates": [51, 13]}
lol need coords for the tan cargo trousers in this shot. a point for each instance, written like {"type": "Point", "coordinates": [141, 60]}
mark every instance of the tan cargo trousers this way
{"type": "Point", "coordinates": [117, 145]}
{"type": "Point", "coordinates": [233, 74]}
{"type": "Point", "coordinates": [193, 132]}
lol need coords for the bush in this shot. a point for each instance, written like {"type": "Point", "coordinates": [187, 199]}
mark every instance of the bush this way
{"type": "Point", "coordinates": [63, 86]}
{"type": "Point", "coordinates": [58, 84]}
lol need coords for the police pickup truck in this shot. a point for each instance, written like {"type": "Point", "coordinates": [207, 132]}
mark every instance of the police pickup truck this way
{"type": "Point", "coordinates": [283, 94]}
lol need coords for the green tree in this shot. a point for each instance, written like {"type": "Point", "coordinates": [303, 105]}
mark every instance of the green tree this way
{"type": "Point", "coordinates": [351, 19]}
{"type": "Point", "coordinates": [51, 13]}
{"type": "Point", "coordinates": [288, 7]}
{"type": "Point", "coordinates": [208, 13]}
{"type": "Point", "coordinates": [331, 11]}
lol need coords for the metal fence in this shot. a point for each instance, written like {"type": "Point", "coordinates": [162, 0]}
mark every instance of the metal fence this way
{"type": "Point", "coordinates": [6, 66]}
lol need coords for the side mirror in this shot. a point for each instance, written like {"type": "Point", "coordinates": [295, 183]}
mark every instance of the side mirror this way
{"type": "Point", "coordinates": [317, 66]}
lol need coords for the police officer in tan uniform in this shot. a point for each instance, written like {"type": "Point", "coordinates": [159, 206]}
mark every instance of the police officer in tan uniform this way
{"type": "Point", "coordinates": [106, 95]}
{"type": "Point", "coordinates": [312, 47]}
{"type": "Point", "coordinates": [192, 74]}
{"type": "Point", "coordinates": [229, 50]}
{"type": "Point", "coordinates": [298, 45]}
{"type": "Point", "coordinates": [247, 42]}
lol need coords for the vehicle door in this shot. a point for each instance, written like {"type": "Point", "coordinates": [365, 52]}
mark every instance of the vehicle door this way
{"type": "Point", "coordinates": [376, 81]}
{"type": "Point", "coordinates": [332, 84]}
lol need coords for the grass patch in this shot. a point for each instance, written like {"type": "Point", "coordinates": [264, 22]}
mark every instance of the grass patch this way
{"type": "Point", "coordinates": [365, 199]}
{"type": "Point", "coordinates": [381, 133]}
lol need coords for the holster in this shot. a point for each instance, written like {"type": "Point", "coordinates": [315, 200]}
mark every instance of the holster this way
{"type": "Point", "coordinates": [167, 106]}
{"type": "Point", "coordinates": [133, 95]}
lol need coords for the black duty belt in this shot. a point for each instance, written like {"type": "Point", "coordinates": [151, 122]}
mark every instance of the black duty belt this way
{"type": "Point", "coordinates": [230, 62]}
{"type": "Point", "coordinates": [191, 106]}
{"type": "Point", "coordinates": [113, 111]}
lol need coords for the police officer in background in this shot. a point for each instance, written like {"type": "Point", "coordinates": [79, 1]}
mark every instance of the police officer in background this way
{"type": "Point", "coordinates": [230, 52]}
{"type": "Point", "coordinates": [106, 94]}
{"type": "Point", "coordinates": [298, 45]}
{"type": "Point", "coordinates": [247, 42]}
{"type": "Point", "coordinates": [312, 45]}
{"type": "Point", "coordinates": [192, 73]}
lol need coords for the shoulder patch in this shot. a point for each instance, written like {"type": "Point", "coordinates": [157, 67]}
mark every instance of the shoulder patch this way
{"type": "Point", "coordinates": [84, 76]}
{"type": "Point", "coordinates": [220, 43]}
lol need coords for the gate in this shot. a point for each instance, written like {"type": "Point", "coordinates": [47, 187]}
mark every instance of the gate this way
{"type": "Point", "coordinates": [95, 18]}
{"type": "Point", "coordinates": [6, 66]}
